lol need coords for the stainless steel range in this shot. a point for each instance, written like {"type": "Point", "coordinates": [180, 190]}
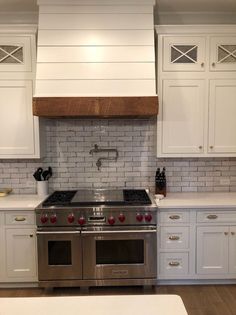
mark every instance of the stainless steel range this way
{"type": "Point", "coordinates": [97, 237]}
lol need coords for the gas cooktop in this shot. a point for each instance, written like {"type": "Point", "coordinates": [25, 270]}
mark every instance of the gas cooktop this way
{"type": "Point", "coordinates": [96, 197]}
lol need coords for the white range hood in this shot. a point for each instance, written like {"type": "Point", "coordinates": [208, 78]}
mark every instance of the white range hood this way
{"type": "Point", "coordinates": [95, 49]}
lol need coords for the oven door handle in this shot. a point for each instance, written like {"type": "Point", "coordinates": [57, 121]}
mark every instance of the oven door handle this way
{"type": "Point", "coordinates": [57, 232]}
{"type": "Point", "coordinates": [119, 231]}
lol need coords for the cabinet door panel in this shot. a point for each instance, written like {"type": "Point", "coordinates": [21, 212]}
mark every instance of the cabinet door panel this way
{"type": "Point", "coordinates": [183, 116]}
{"type": "Point", "coordinates": [21, 254]}
{"type": "Point", "coordinates": [15, 53]}
{"type": "Point", "coordinates": [212, 250]}
{"type": "Point", "coordinates": [184, 53]}
{"type": "Point", "coordinates": [222, 113]}
{"type": "Point", "coordinates": [223, 53]}
{"type": "Point", "coordinates": [16, 119]}
{"type": "Point", "coordinates": [232, 250]}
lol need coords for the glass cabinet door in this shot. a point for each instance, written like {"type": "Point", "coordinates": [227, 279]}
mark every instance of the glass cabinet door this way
{"type": "Point", "coordinates": [223, 53]}
{"type": "Point", "coordinates": [184, 53]}
{"type": "Point", "coordinates": [15, 53]}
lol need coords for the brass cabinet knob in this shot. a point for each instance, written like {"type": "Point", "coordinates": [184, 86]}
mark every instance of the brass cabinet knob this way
{"type": "Point", "coordinates": [211, 146]}
{"type": "Point", "coordinates": [202, 64]}
{"type": "Point", "coordinates": [226, 233]}
{"type": "Point", "coordinates": [31, 235]}
{"type": "Point", "coordinates": [200, 147]}
{"type": "Point", "coordinates": [232, 233]}
{"type": "Point", "coordinates": [213, 64]}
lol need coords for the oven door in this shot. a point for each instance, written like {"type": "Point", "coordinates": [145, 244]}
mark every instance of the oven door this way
{"type": "Point", "coordinates": [59, 255]}
{"type": "Point", "coordinates": [119, 254]}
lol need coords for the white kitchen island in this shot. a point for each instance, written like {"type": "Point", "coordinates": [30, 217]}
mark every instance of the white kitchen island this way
{"type": "Point", "coordinates": [94, 305]}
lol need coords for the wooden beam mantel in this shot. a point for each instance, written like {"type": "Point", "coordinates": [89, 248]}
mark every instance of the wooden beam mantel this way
{"type": "Point", "coordinates": [96, 107]}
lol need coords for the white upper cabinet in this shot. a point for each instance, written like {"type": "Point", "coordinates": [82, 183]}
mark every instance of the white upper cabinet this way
{"type": "Point", "coordinates": [15, 53]}
{"type": "Point", "coordinates": [183, 121]}
{"type": "Point", "coordinates": [223, 53]}
{"type": "Point", "coordinates": [222, 116]}
{"type": "Point", "coordinates": [19, 129]}
{"type": "Point", "coordinates": [184, 53]}
{"type": "Point", "coordinates": [197, 91]}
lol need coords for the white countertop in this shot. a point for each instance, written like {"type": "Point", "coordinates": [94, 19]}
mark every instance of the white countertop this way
{"type": "Point", "coordinates": [20, 202]}
{"type": "Point", "coordinates": [198, 200]}
{"type": "Point", "coordinates": [94, 305]}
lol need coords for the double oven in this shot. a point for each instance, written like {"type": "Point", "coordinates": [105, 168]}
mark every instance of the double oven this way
{"type": "Point", "coordinates": [99, 244]}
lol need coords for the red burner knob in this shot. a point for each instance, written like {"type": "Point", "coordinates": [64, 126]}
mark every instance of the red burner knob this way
{"type": "Point", "coordinates": [44, 218]}
{"type": "Point", "coordinates": [53, 218]}
{"type": "Point", "coordinates": [81, 221]}
{"type": "Point", "coordinates": [139, 217]}
{"type": "Point", "coordinates": [148, 217]}
{"type": "Point", "coordinates": [111, 220]}
{"type": "Point", "coordinates": [121, 217]}
{"type": "Point", "coordinates": [71, 218]}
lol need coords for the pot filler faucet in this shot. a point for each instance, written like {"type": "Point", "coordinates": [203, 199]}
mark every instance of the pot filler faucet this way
{"type": "Point", "coordinates": [98, 150]}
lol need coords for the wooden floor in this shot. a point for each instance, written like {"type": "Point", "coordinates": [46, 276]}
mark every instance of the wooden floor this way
{"type": "Point", "coordinates": [198, 300]}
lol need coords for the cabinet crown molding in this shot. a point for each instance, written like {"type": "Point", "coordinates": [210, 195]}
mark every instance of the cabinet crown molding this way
{"type": "Point", "coordinates": [96, 2]}
{"type": "Point", "coordinates": [18, 28]}
{"type": "Point", "coordinates": [198, 29]}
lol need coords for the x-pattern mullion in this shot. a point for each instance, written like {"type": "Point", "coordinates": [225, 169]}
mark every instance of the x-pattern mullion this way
{"type": "Point", "coordinates": [230, 53]}
{"type": "Point", "coordinates": [184, 54]}
{"type": "Point", "coordinates": [10, 54]}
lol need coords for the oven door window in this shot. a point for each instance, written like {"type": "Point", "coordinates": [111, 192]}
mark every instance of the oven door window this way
{"type": "Point", "coordinates": [59, 253]}
{"type": "Point", "coordinates": [119, 252]}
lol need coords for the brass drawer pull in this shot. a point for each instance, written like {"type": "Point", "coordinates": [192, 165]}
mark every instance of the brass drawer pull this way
{"type": "Point", "coordinates": [174, 217]}
{"type": "Point", "coordinates": [31, 235]}
{"type": "Point", "coordinates": [174, 263]}
{"type": "Point", "coordinates": [20, 219]}
{"type": "Point", "coordinates": [212, 216]}
{"type": "Point", "coordinates": [174, 238]}
{"type": "Point", "coordinates": [226, 233]}
{"type": "Point", "coordinates": [232, 233]}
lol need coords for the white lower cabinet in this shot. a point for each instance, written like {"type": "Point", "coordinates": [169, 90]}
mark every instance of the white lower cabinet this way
{"type": "Point", "coordinates": [196, 244]}
{"type": "Point", "coordinates": [21, 254]}
{"type": "Point", "coordinates": [174, 244]}
{"type": "Point", "coordinates": [18, 247]}
{"type": "Point", "coordinates": [212, 250]}
{"type": "Point", "coordinates": [232, 250]}
{"type": "Point", "coordinates": [2, 246]}
{"type": "Point", "coordinates": [216, 247]}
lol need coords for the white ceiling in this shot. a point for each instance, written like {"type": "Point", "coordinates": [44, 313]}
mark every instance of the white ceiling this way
{"type": "Point", "coordinates": [162, 5]}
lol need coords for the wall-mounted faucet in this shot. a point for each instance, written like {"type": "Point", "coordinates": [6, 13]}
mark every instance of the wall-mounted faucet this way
{"type": "Point", "coordinates": [99, 161]}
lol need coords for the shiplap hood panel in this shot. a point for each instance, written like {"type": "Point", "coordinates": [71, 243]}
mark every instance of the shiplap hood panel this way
{"type": "Point", "coordinates": [95, 49]}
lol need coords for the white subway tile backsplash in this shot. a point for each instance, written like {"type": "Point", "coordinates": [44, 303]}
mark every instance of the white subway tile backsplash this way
{"type": "Point", "coordinates": [69, 142]}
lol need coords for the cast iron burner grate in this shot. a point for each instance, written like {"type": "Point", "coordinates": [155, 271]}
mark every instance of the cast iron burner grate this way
{"type": "Point", "coordinates": [135, 196]}
{"type": "Point", "coordinates": [60, 198]}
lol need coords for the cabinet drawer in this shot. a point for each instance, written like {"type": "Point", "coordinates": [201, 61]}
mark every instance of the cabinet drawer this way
{"type": "Point", "coordinates": [19, 218]}
{"type": "Point", "coordinates": [174, 237]}
{"type": "Point", "coordinates": [174, 217]}
{"type": "Point", "coordinates": [214, 216]}
{"type": "Point", "coordinates": [174, 264]}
